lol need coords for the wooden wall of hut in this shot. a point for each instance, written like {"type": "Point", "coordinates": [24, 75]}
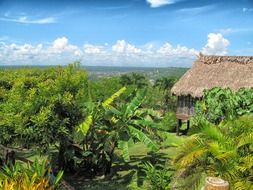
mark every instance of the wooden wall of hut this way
{"type": "Point", "coordinates": [185, 109]}
{"type": "Point", "coordinates": [185, 105]}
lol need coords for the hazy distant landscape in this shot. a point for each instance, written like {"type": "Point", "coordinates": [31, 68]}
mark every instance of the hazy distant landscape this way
{"type": "Point", "coordinates": [96, 72]}
{"type": "Point", "coordinates": [150, 72]}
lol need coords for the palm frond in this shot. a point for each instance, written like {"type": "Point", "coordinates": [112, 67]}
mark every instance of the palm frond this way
{"type": "Point", "coordinates": [245, 140]}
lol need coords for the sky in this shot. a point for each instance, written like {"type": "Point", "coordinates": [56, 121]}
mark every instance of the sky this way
{"type": "Point", "coordinates": [140, 33]}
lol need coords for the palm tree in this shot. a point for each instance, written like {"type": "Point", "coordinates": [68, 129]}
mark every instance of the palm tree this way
{"type": "Point", "coordinates": [224, 150]}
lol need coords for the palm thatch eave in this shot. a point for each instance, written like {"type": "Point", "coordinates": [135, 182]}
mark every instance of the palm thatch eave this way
{"type": "Point", "coordinates": [232, 72]}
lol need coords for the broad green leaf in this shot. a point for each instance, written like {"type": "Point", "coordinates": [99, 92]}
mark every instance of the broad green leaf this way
{"type": "Point", "coordinates": [85, 126]}
{"type": "Point", "coordinates": [136, 102]}
{"type": "Point", "coordinates": [114, 110]}
{"type": "Point", "coordinates": [108, 101]}
{"type": "Point", "coordinates": [147, 123]}
{"type": "Point", "coordinates": [123, 146]}
{"type": "Point", "coordinates": [87, 153]}
{"type": "Point", "coordinates": [143, 138]}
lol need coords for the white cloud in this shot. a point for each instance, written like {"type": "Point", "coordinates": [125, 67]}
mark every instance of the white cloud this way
{"type": "Point", "coordinates": [26, 20]}
{"type": "Point", "coordinates": [121, 53]}
{"type": "Point", "coordinates": [60, 43]}
{"type": "Point", "coordinates": [78, 53]}
{"type": "Point", "coordinates": [92, 49]}
{"type": "Point", "coordinates": [159, 3]}
{"type": "Point", "coordinates": [122, 46]}
{"type": "Point", "coordinates": [58, 52]}
{"type": "Point", "coordinates": [13, 52]}
{"type": "Point", "coordinates": [179, 51]}
{"type": "Point", "coordinates": [216, 45]}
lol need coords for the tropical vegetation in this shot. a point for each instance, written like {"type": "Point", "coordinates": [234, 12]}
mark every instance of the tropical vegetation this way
{"type": "Point", "coordinates": [221, 141]}
{"type": "Point", "coordinates": [121, 127]}
{"type": "Point", "coordinates": [36, 176]}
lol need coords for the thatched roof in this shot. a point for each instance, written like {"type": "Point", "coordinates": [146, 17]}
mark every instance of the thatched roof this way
{"type": "Point", "coordinates": [207, 72]}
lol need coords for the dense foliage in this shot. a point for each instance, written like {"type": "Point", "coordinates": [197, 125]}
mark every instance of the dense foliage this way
{"type": "Point", "coordinates": [158, 176]}
{"type": "Point", "coordinates": [221, 143]}
{"type": "Point", "coordinates": [86, 121]}
{"type": "Point", "coordinates": [108, 127]}
{"type": "Point", "coordinates": [219, 104]}
{"type": "Point", "coordinates": [60, 108]}
{"type": "Point", "coordinates": [40, 107]}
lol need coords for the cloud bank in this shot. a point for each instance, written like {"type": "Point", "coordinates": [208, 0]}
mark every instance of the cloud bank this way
{"type": "Point", "coordinates": [121, 53]}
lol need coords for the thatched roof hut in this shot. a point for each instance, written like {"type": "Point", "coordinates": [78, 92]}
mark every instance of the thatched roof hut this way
{"type": "Point", "coordinates": [207, 72]}
{"type": "Point", "coordinates": [232, 72]}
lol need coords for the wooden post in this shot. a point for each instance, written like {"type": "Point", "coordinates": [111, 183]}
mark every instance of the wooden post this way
{"type": "Point", "coordinates": [179, 124]}
{"type": "Point", "coordinates": [214, 183]}
{"type": "Point", "coordinates": [188, 126]}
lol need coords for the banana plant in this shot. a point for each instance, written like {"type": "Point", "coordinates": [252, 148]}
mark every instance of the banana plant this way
{"type": "Point", "coordinates": [94, 137]}
{"type": "Point", "coordinates": [132, 122]}
{"type": "Point", "coordinates": [109, 126]}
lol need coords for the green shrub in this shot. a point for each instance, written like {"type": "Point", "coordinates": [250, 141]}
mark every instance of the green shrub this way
{"type": "Point", "coordinates": [37, 176]}
{"type": "Point", "coordinates": [219, 104]}
{"type": "Point", "coordinates": [158, 176]}
{"type": "Point", "coordinates": [169, 121]}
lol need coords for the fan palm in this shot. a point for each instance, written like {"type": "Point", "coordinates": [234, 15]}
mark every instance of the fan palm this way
{"type": "Point", "coordinates": [224, 150]}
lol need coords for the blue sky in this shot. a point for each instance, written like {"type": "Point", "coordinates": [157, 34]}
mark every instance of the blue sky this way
{"type": "Point", "coordinates": [156, 33]}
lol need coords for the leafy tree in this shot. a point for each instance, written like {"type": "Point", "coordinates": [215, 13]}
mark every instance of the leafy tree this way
{"type": "Point", "coordinates": [165, 84]}
{"type": "Point", "coordinates": [103, 88]}
{"type": "Point", "coordinates": [135, 79]}
{"type": "Point", "coordinates": [41, 107]}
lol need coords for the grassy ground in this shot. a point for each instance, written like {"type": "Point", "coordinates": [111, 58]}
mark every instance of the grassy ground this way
{"type": "Point", "coordinates": [126, 176]}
